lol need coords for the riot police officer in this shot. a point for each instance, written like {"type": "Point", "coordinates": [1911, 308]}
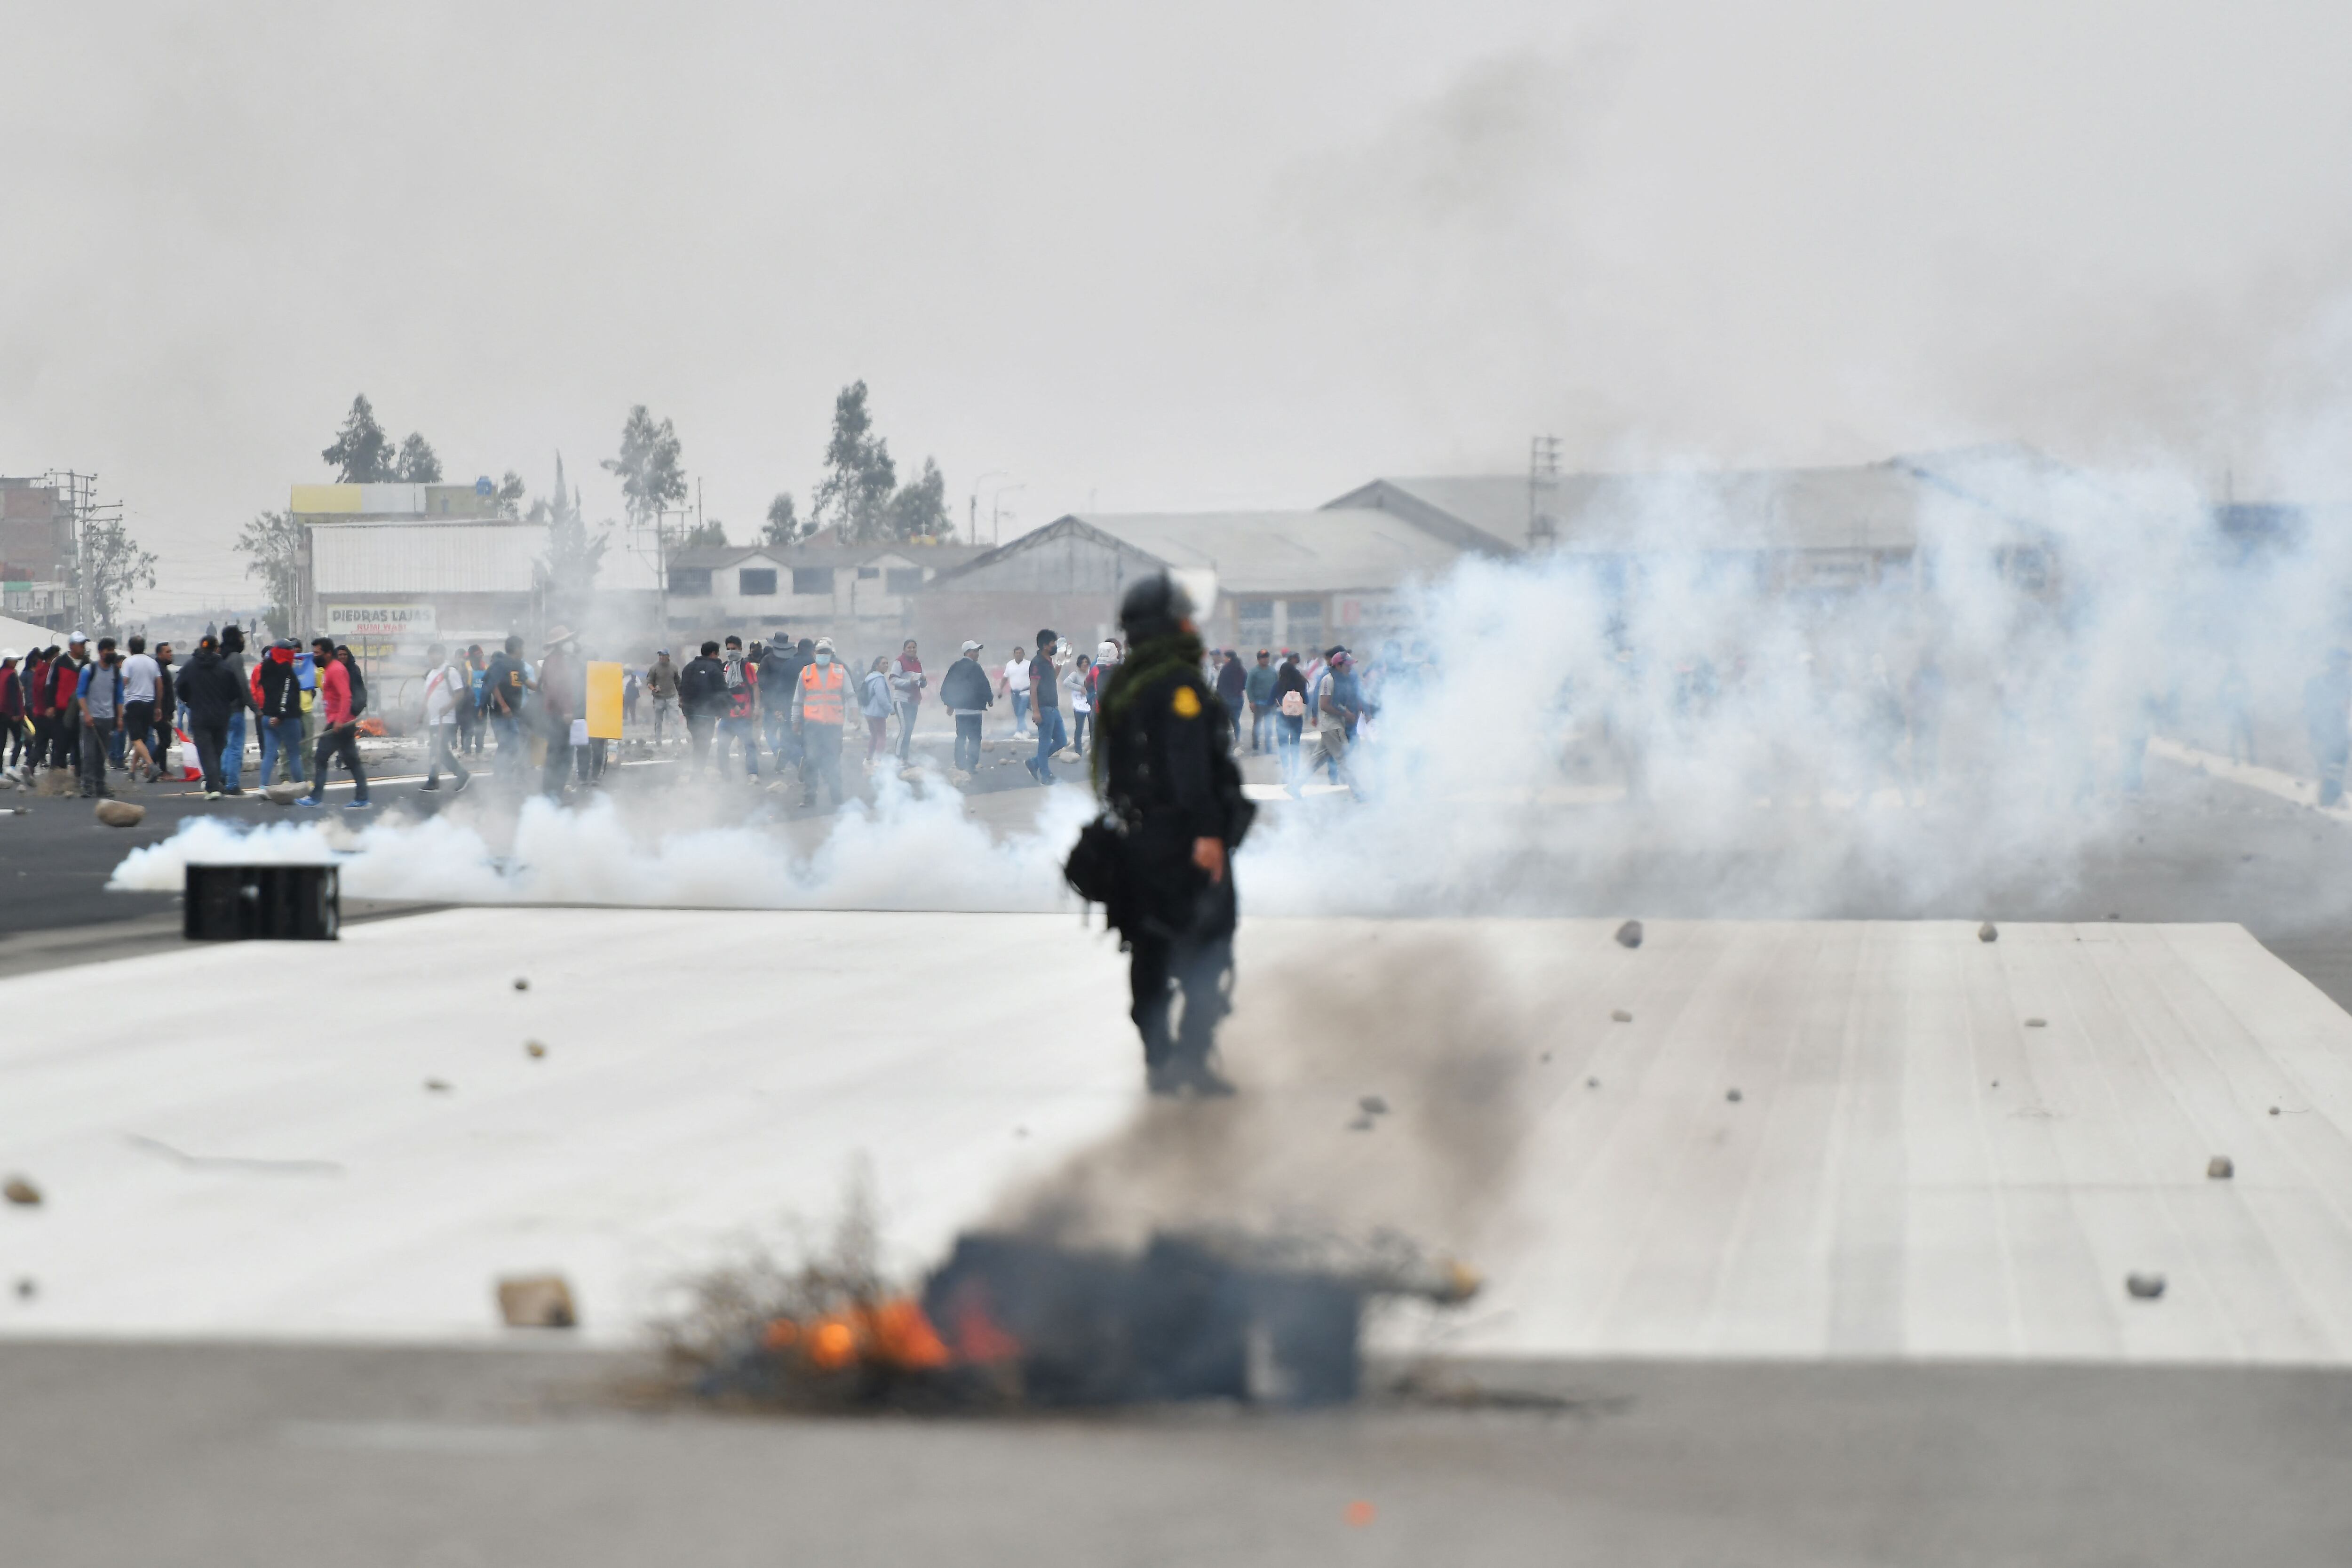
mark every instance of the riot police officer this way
{"type": "Point", "coordinates": [1174, 815]}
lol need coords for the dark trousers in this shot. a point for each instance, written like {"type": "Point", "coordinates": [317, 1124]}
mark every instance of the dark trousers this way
{"type": "Point", "coordinates": [442, 750]}
{"type": "Point", "coordinates": [820, 761]}
{"type": "Point", "coordinates": [93, 756]}
{"type": "Point", "coordinates": [338, 741]}
{"type": "Point", "coordinates": [557, 770]}
{"type": "Point", "coordinates": [211, 738]}
{"type": "Point", "coordinates": [697, 731]}
{"type": "Point", "coordinates": [1160, 967]}
{"type": "Point", "coordinates": [967, 744]}
{"type": "Point", "coordinates": [65, 746]}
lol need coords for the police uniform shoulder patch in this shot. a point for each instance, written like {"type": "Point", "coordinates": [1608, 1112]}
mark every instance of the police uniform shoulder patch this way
{"type": "Point", "coordinates": [1188, 702]}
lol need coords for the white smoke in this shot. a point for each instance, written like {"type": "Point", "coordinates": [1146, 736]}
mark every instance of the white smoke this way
{"type": "Point", "coordinates": [1682, 736]}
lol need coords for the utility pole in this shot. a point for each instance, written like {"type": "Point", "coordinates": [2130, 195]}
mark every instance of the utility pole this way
{"type": "Point", "coordinates": [971, 524]}
{"type": "Point", "coordinates": [1543, 492]}
{"type": "Point", "coordinates": [996, 513]}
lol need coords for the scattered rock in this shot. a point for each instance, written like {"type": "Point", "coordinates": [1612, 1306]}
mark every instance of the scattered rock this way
{"type": "Point", "coordinates": [1592, 1083]}
{"type": "Point", "coordinates": [537, 1301]}
{"type": "Point", "coordinates": [533, 1050]}
{"type": "Point", "coordinates": [1988, 932]}
{"type": "Point", "coordinates": [2219, 1169]}
{"type": "Point", "coordinates": [2037, 1023]}
{"type": "Point", "coordinates": [2144, 1287]}
{"type": "Point", "coordinates": [1619, 1014]}
{"type": "Point", "coordinates": [1372, 1105]}
{"type": "Point", "coordinates": [27, 1288]}
{"type": "Point", "coordinates": [1732, 1095]}
{"type": "Point", "coordinates": [1630, 935]}
{"type": "Point", "coordinates": [120, 814]}
{"type": "Point", "coordinates": [1021, 1132]}
{"type": "Point", "coordinates": [20, 1190]}
{"type": "Point", "coordinates": [2112, 916]}
{"type": "Point", "coordinates": [1360, 1124]}
{"type": "Point", "coordinates": [1995, 1083]}
{"type": "Point", "coordinates": [2274, 1111]}
{"type": "Point", "coordinates": [436, 1085]}
{"type": "Point", "coordinates": [521, 983]}
{"type": "Point", "coordinates": [285, 792]}
{"type": "Point", "coordinates": [1544, 1057]}
{"type": "Point", "coordinates": [55, 782]}
{"type": "Point", "coordinates": [910, 776]}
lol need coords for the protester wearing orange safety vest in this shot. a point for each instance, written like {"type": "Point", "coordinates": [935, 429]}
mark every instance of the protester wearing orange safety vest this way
{"type": "Point", "coordinates": [818, 702]}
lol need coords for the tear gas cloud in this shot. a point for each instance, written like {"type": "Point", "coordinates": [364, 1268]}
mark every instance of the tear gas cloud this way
{"type": "Point", "coordinates": [1640, 712]}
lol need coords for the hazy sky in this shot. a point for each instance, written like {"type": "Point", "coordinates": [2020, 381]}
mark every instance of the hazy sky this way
{"type": "Point", "coordinates": [1209, 254]}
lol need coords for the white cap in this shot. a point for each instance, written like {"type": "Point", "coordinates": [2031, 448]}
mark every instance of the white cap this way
{"type": "Point", "coordinates": [972, 648]}
{"type": "Point", "coordinates": [823, 645]}
{"type": "Point", "coordinates": [78, 637]}
{"type": "Point", "coordinates": [8, 653]}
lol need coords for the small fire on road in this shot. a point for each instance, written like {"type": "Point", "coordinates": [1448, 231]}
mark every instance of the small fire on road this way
{"type": "Point", "coordinates": [1010, 1320]}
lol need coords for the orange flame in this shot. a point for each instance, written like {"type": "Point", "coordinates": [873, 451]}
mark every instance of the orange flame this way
{"type": "Point", "coordinates": [894, 1334]}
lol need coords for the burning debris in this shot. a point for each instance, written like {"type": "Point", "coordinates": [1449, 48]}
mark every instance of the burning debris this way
{"type": "Point", "coordinates": [1010, 1320]}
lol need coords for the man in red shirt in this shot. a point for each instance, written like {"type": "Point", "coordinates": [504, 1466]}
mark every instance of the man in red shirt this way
{"type": "Point", "coordinates": [339, 724]}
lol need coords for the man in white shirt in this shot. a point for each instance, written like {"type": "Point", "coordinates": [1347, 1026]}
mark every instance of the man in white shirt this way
{"type": "Point", "coordinates": [444, 684]}
{"type": "Point", "coordinates": [1015, 682]}
{"type": "Point", "coordinates": [142, 677]}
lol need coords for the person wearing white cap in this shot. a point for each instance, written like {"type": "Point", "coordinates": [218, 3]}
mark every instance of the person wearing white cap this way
{"type": "Point", "coordinates": [818, 710]}
{"type": "Point", "coordinates": [965, 691]}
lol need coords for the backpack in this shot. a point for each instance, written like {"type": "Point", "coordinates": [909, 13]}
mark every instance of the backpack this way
{"type": "Point", "coordinates": [1294, 705]}
{"type": "Point", "coordinates": [359, 688]}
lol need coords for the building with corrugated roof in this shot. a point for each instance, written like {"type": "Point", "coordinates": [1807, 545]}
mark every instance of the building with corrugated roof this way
{"type": "Point", "coordinates": [1810, 529]}
{"type": "Point", "coordinates": [392, 568]}
{"type": "Point", "coordinates": [1283, 579]}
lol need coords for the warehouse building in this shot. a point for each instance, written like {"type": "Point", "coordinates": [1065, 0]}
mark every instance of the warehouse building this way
{"type": "Point", "coordinates": [1814, 529]}
{"type": "Point", "coordinates": [1283, 579]}
{"type": "Point", "coordinates": [393, 568]}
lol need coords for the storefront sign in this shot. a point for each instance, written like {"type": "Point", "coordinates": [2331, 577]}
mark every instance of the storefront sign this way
{"type": "Point", "coordinates": [382, 622]}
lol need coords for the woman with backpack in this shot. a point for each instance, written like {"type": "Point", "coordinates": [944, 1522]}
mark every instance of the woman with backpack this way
{"type": "Point", "coordinates": [1290, 717]}
{"type": "Point", "coordinates": [875, 701]}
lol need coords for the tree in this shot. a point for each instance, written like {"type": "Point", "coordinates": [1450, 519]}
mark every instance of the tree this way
{"type": "Point", "coordinates": [783, 520]}
{"type": "Point", "coordinates": [112, 565]}
{"type": "Point", "coordinates": [362, 454]}
{"type": "Point", "coordinates": [713, 535]}
{"type": "Point", "coordinates": [921, 509]}
{"type": "Point", "coordinates": [854, 497]}
{"type": "Point", "coordinates": [509, 495]}
{"type": "Point", "coordinates": [648, 467]}
{"type": "Point", "coordinates": [575, 554]}
{"type": "Point", "coordinates": [417, 464]}
{"type": "Point", "coordinates": [272, 545]}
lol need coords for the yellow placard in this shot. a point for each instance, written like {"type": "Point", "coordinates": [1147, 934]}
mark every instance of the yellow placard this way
{"type": "Point", "coordinates": [604, 700]}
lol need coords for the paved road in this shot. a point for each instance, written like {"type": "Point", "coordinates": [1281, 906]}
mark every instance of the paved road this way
{"type": "Point", "coordinates": [196, 1456]}
{"type": "Point", "coordinates": [200, 1455]}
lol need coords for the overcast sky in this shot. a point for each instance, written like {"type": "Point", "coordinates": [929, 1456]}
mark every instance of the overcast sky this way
{"type": "Point", "coordinates": [1209, 254]}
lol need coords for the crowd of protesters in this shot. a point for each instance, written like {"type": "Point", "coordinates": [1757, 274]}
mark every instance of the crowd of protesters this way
{"type": "Point", "coordinates": [100, 712]}
{"type": "Point", "coordinates": [92, 712]}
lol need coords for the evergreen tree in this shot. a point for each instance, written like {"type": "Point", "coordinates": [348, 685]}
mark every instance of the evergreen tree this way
{"type": "Point", "coordinates": [854, 497]}
{"type": "Point", "coordinates": [362, 453]}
